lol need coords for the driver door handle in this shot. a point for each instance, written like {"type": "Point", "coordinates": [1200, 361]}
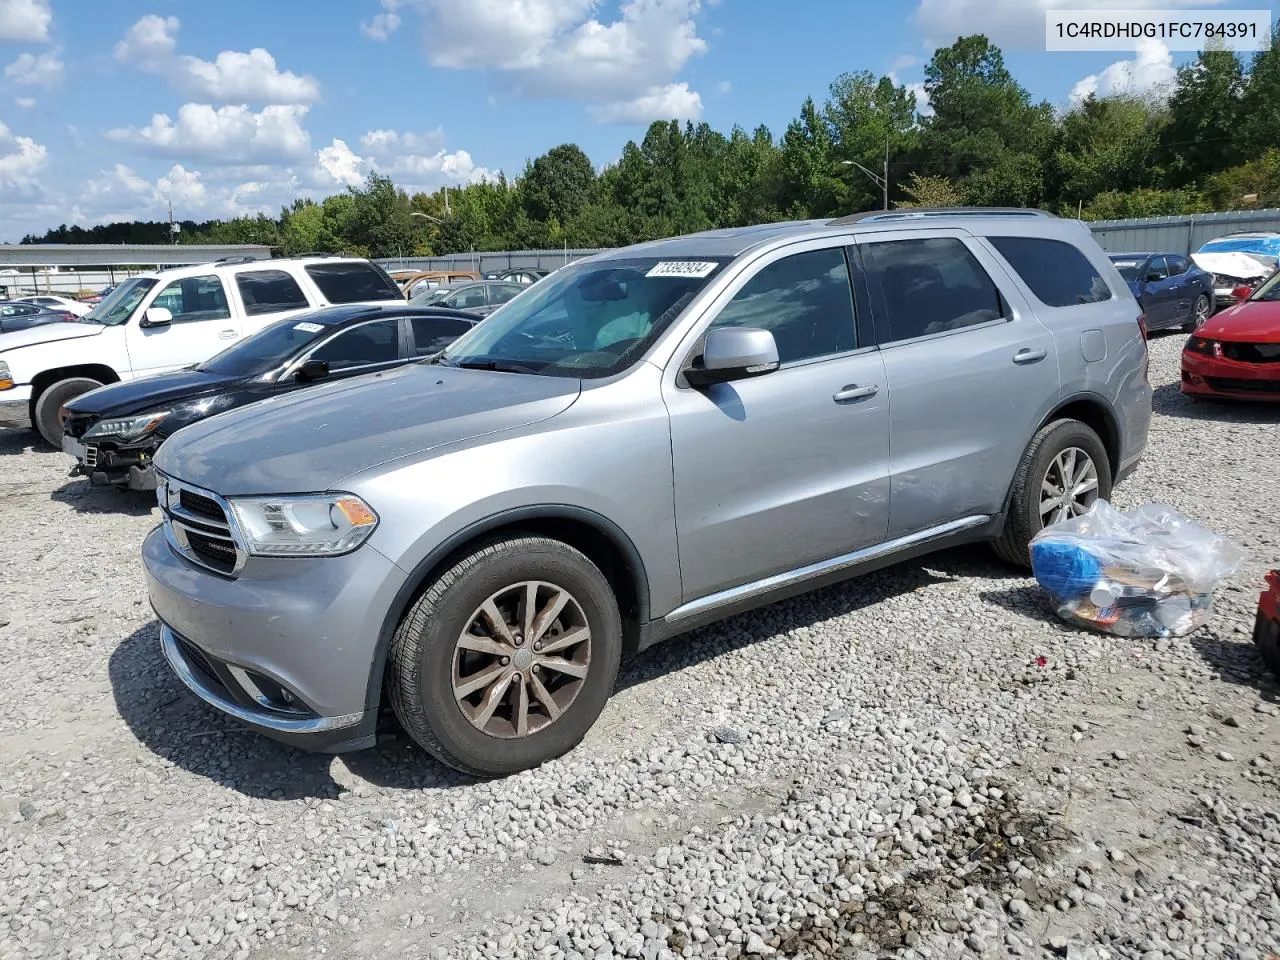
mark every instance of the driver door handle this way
{"type": "Point", "coordinates": [1027, 355]}
{"type": "Point", "coordinates": [854, 392]}
{"type": "Point", "coordinates": [227, 334]}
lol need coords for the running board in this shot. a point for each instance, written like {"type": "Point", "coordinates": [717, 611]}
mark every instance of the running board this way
{"type": "Point", "coordinates": [792, 577]}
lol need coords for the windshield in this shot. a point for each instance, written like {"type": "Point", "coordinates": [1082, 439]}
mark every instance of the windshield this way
{"type": "Point", "coordinates": [266, 349]}
{"type": "Point", "coordinates": [1128, 268]}
{"type": "Point", "coordinates": [430, 296]}
{"type": "Point", "coordinates": [118, 306]}
{"type": "Point", "coordinates": [589, 320]}
{"type": "Point", "coordinates": [1270, 289]}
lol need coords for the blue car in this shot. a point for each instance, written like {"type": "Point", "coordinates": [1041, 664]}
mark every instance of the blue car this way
{"type": "Point", "coordinates": [1172, 291]}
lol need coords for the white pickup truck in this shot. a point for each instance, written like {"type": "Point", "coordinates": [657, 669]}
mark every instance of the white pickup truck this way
{"type": "Point", "coordinates": [157, 322]}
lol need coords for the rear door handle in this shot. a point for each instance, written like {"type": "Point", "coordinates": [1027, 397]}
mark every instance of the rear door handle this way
{"type": "Point", "coordinates": [854, 392]}
{"type": "Point", "coordinates": [1027, 355]}
{"type": "Point", "coordinates": [226, 334]}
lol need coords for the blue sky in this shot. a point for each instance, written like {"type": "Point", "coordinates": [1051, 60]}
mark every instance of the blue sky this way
{"type": "Point", "coordinates": [109, 110]}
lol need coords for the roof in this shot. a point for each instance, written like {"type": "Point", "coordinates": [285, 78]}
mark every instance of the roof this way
{"type": "Point", "coordinates": [734, 241]}
{"type": "Point", "coordinates": [122, 254]}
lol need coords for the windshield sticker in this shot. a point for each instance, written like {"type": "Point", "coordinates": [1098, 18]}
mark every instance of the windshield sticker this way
{"type": "Point", "coordinates": [691, 269]}
{"type": "Point", "coordinates": [309, 327]}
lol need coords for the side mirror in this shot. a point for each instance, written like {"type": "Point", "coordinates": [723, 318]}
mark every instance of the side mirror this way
{"type": "Point", "coordinates": [157, 317]}
{"type": "Point", "coordinates": [312, 370]}
{"type": "Point", "coordinates": [734, 353]}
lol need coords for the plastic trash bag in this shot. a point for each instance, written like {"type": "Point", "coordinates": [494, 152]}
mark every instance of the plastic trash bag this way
{"type": "Point", "coordinates": [1146, 572]}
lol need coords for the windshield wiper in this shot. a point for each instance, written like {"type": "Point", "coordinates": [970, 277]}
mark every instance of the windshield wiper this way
{"type": "Point", "coordinates": [501, 366]}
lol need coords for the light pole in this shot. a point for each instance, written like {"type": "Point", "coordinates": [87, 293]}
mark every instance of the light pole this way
{"type": "Point", "coordinates": [881, 181]}
{"type": "Point", "coordinates": [425, 216]}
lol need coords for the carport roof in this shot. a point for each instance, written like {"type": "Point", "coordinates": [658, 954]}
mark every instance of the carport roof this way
{"type": "Point", "coordinates": [123, 254]}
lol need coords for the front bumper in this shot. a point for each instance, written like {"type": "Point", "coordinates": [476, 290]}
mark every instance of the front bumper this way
{"type": "Point", "coordinates": [112, 466]}
{"type": "Point", "coordinates": [307, 628]}
{"type": "Point", "coordinates": [15, 408]}
{"type": "Point", "coordinates": [1204, 376]}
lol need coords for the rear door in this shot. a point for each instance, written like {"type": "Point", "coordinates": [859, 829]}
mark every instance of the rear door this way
{"type": "Point", "coordinates": [203, 324]}
{"type": "Point", "coordinates": [430, 335]}
{"type": "Point", "coordinates": [969, 368]}
{"type": "Point", "coordinates": [267, 296]}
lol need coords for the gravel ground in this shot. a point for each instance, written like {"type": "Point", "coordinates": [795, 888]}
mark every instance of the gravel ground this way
{"type": "Point", "coordinates": [920, 763]}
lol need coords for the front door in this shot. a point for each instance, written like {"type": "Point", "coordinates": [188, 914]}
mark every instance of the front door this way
{"type": "Point", "coordinates": [968, 375]}
{"type": "Point", "coordinates": [1159, 297]}
{"type": "Point", "coordinates": [202, 325]}
{"type": "Point", "coordinates": [790, 468]}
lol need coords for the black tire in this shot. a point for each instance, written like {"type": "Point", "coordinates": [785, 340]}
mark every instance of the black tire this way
{"type": "Point", "coordinates": [420, 668]}
{"type": "Point", "coordinates": [45, 412]}
{"type": "Point", "coordinates": [1191, 326]}
{"type": "Point", "coordinates": [1024, 520]}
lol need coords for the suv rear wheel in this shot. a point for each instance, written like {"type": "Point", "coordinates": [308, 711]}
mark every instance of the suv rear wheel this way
{"type": "Point", "coordinates": [508, 658]}
{"type": "Point", "coordinates": [1064, 470]}
{"type": "Point", "coordinates": [45, 416]}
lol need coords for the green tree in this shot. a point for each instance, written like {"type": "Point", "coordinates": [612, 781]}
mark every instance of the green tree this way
{"type": "Point", "coordinates": [810, 184]}
{"type": "Point", "coordinates": [925, 191]}
{"type": "Point", "coordinates": [1258, 178]}
{"type": "Point", "coordinates": [1203, 134]}
{"type": "Point", "coordinates": [558, 184]}
{"type": "Point", "coordinates": [1105, 144]}
{"type": "Point", "coordinates": [870, 120]}
{"type": "Point", "coordinates": [1143, 202]}
{"type": "Point", "coordinates": [1260, 103]}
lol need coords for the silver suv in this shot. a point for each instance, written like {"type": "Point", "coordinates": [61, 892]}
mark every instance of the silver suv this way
{"type": "Point", "coordinates": [643, 442]}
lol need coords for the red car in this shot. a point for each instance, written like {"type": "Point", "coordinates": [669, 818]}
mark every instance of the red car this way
{"type": "Point", "coordinates": [1236, 353]}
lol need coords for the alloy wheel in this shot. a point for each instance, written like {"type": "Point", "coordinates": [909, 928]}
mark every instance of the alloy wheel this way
{"type": "Point", "coordinates": [521, 660]}
{"type": "Point", "coordinates": [1069, 487]}
{"type": "Point", "coordinates": [1202, 310]}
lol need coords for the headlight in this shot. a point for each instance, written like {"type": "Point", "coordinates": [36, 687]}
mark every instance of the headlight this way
{"type": "Point", "coordinates": [303, 526]}
{"type": "Point", "coordinates": [1202, 346]}
{"type": "Point", "coordinates": [6, 378]}
{"type": "Point", "coordinates": [126, 428]}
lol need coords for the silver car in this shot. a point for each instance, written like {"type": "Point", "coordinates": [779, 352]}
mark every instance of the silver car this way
{"type": "Point", "coordinates": [646, 441]}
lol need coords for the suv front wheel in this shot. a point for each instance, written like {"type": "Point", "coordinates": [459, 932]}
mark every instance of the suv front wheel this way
{"type": "Point", "coordinates": [1063, 471]}
{"type": "Point", "coordinates": [508, 658]}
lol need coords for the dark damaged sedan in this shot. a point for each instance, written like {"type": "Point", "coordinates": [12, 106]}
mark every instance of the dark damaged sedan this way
{"type": "Point", "coordinates": [114, 431]}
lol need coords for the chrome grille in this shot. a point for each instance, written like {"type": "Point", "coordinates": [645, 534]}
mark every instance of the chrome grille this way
{"type": "Point", "coordinates": [200, 526]}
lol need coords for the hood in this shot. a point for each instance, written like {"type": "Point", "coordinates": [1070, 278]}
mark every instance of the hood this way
{"type": "Point", "coordinates": [1254, 321]}
{"type": "Point", "coordinates": [308, 441]}
{"type": "Point", "coordinates": [148, 393]}
{"type": "Point", "coordinates": [1231, 265]}
{"type": "Point", "coordinates": [48, 333]}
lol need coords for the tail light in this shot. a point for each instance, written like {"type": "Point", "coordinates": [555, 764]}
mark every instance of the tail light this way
{"type": "Point", "coordinates": [1146, 355]}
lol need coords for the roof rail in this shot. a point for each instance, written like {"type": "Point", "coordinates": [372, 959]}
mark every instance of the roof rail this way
{"type": "Point", "coordinates": [237, 260]}
{"type": "Point", "coordinates": [316, 254]}
{"type": "Point", "coordinates": [920, 213]}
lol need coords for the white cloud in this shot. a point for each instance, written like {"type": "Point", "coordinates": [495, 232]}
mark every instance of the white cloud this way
{"type": "Point", "coordinates": [25, 20]}
{"type": "Point", "coordinates": [32, 70]}
{"type": "Point", "coordinates": [723, 87]}
{"type": "Point", "coordinates": [26, 103]}
{"type": "Point", "coordinates": [21, 158]}
{"type": "Point", "coordinates": [1013, 23]}
{"type": "Point", "coordinates": [557, 48]}
{"type": "Point", "coordinates": [338, 165]}
{"type": "Point", "coordinates": [122, 194]}
{"type": "Point", "coordinates": [1149, 73]}
{"type": "Point", "coordinates": [223, 135]}
{"type": "Point", "coordinates": [904, 62]}
{"type": "Point", "coordinates": [232, 76]}
{"type": "Point", "coordinates": [923, 106]}
{"type": "Point", "coordinates": [672, 102]}
{"type": "Point", "coordinates": [391, 142]}
{"type": "Point", "coordinates": [383, 24]}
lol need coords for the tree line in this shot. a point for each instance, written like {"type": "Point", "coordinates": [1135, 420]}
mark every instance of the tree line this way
{"type": "Point", "coordinates": [1210, 142]}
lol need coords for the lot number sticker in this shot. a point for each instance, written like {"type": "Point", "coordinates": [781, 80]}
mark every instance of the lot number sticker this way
{"type": "Point", "coordinates": [307, 327]}
{"type": "Point", "coordinates": [693, 269]}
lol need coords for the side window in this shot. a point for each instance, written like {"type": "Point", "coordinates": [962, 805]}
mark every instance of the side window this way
{"type": "Point", "coordinates": [270, 291]}
{"type": "Point", "coordinates": [805, 301]}
{"type": "Point", "coordinates": [467, 297]}
{"type": "Point", "coordinates": [502, 292]}
{"type": "Point", "coordinates": [353, 282]}
{"type": "Point", "coordinates": [377, 342]}
{"type": "Point", "coordinates": [433, 334]}
{"type": "Point", "coordinates": [1177, 265]}
{"type": "Point", "coordinates": [193, 299]}
{"type": "Point", "coordinates": [1157, 269]}
{"type": "Point", "coordinates": [931, 286]}
{"type": "Point", "coordinates": [1056, 272]}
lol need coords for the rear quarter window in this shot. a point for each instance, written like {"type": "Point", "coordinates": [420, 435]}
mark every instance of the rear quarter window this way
{"type": "Point", "coordinates": [1055, 271]}
{"type": "Point", "coordinates": [353, 282]}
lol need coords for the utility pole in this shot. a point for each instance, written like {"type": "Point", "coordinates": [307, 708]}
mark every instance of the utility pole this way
{"type": "Point", "coordinates": [886, 166]}
{"type": "Point", "coordinates": [173, 237]}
